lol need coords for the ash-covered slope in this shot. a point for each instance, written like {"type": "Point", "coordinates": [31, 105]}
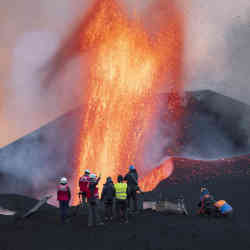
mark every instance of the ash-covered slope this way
{"type": "Point", "coordinates": [20, 203]}
{"type": "Point", "coordinates": [213, 126]}
{"type": "Point", "coordinates": [32, 163]}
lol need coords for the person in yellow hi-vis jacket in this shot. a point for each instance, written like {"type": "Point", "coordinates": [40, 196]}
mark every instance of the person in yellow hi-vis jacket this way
{"type": "Point", "coordinates": [121, 202]}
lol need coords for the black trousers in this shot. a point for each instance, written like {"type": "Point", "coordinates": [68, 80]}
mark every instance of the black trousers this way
{"type": "Point", "coordinates": [84, 199]}
{"type": "Point", "coordinates": [64, 205]}
{"type": "Point", "coordinates": [132, 196]}
{"type": "Point", "coordinates": [108, 207]}
{"type": "Point", "coordinates": [93, 213]}
{"type": "Point", "coordinates": [121, 209]}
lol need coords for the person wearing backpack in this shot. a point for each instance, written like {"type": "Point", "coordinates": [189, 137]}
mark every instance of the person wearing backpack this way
{"type": "Point", "coordinates": [108, 195]}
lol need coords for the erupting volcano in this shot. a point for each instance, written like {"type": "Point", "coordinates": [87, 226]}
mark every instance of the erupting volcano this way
{"type": "Point", "coordinates": [128, 65]}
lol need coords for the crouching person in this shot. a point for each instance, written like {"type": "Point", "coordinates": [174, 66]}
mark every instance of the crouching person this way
{"type": "Point", "coordinates": [93, 201]}
{"type": "Point", "coordinates": [63, 196]}
{"type": "Point", "coordinates": [121, 200]}
{"type": "Point", "coordinates": [223, 208]}
{"type": "Point", "coordinates": [206, 203]}
{"type": "Point", "coordinates": [108, 195]}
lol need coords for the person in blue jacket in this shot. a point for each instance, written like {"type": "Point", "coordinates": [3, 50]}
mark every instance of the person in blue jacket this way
{"type": "Point", "coordinates": [209, 206]}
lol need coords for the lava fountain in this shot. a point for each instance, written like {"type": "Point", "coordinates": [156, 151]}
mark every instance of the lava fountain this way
{"type": "Point", "coordinates": [128, 64]}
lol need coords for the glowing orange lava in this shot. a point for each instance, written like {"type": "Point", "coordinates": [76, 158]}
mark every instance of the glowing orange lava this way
{"type": "Point", "coordinates": [127, 67]}
{"type": "Point", "coordinates": [150, 181]}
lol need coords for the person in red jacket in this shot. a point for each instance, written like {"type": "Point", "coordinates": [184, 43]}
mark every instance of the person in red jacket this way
{"type": "Point", "coordinates": [93, 201]}
{"type": "Point", "coordinates": [83, 186]}
{"type": "Point", "coordinates": [63, 196]}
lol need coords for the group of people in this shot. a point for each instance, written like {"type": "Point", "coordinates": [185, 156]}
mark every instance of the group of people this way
{"type": "Point", "coordinates": [122, 195]}
{"type": "Point", "coordinates": [210, 207]}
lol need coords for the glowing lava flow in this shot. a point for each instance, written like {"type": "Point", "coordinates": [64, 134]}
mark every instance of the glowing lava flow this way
{"type": "Point", "coordinates": [127, 67]}
{"type": "Point", "coordinates": [151, 180]}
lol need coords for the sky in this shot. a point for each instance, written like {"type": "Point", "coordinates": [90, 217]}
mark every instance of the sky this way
{"type": "Point", "coordinates": [217, 56]}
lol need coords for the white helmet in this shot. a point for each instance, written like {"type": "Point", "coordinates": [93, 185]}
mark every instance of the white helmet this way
{"type": "Point", "coordinates": [87, 171]}
{"type": "Point", "coordinates": [64, 180]}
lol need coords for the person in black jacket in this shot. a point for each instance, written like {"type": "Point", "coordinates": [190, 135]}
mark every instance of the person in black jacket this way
{"type": "Point", "coordinates": [132, 182]}
{"type": "Point", "coordinates": [108, 194]}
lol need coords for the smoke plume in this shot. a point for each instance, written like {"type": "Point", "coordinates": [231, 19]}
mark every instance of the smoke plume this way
{"type": "Point", "coordinates": [217, 47]}
{"type": "Point", "coordinates": [32, 33]}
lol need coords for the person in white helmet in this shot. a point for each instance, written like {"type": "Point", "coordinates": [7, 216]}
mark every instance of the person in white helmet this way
{"type": "Point", "coordinates": [63, 196]}
{"type": "Point", "coordinates": [83, 186]}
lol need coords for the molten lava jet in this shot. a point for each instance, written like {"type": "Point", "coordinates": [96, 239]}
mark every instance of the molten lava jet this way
{"type": "Point", "coordinates": [128, 64]}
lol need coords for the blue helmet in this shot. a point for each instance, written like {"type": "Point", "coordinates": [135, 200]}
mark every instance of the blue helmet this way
{"type": "Point", "coordinates": [132, 167]}
{"type": "Point", "coordinates": [109, 179]}
{"type": "Point", "coordinates": [119, 178]}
